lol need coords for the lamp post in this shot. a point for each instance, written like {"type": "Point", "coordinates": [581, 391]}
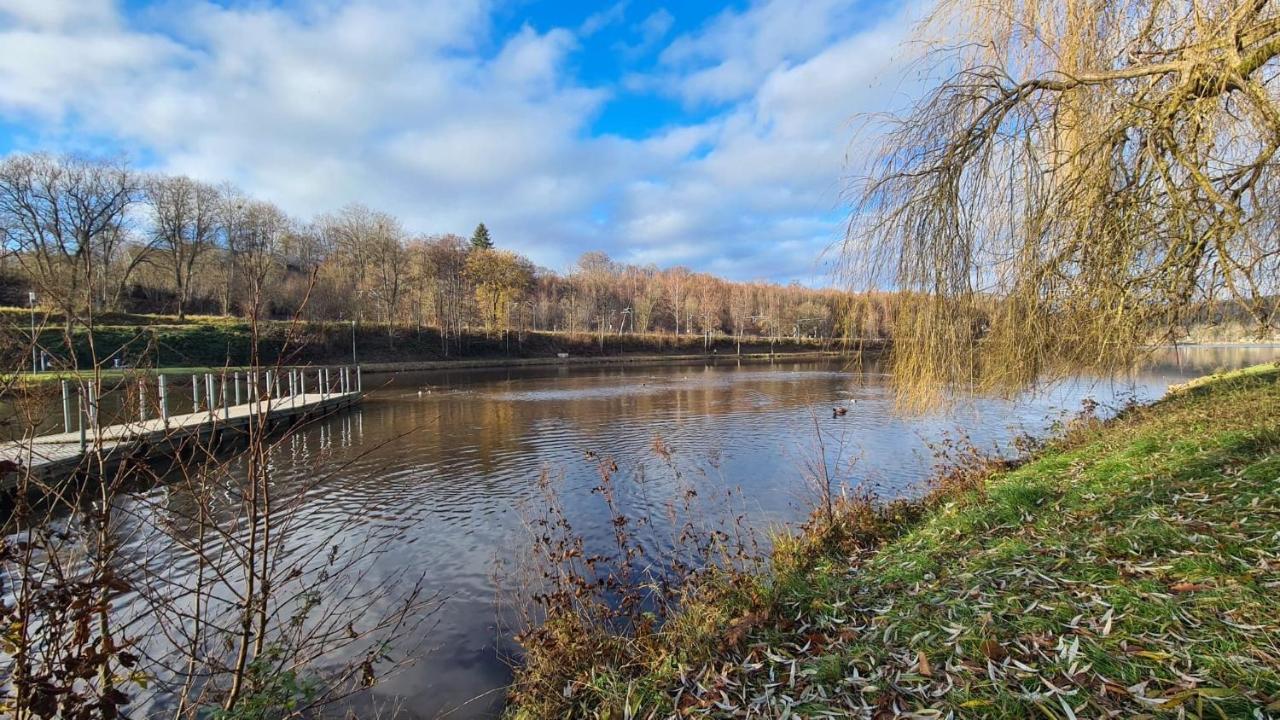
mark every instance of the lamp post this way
{"type": "Point", "coordinates": [353, 341]}
{"type": "Point", "coordinates": [31, 295]}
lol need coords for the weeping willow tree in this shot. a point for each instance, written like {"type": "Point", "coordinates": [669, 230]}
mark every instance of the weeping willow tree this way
{"type": "Point", "coordinates": [1082, 175]}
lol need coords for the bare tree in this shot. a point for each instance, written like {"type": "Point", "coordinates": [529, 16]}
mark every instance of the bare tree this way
{"type": "Point", "coordinates": [258, 232]}
{"type": "Point", "coordinates": [446, 261]}
{"type": "Point", "coordinates": [64, 217]}
{"type": "Point", "coordinates": [185, 226]}
{"type": "Point", "coordinates": [388, 265]}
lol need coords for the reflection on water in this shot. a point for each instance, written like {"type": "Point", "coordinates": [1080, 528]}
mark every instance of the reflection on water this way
{"type": "Point", "coordinates": [446, 457]}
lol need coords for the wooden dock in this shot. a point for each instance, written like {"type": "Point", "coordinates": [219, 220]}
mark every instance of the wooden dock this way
{"type": "Point", "coordinates": [47, 457]}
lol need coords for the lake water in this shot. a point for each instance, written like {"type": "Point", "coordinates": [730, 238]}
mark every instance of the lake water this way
{"type": "Point", "coordinates": [444, 460]}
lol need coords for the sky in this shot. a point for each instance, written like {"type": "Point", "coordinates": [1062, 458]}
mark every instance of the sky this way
{"type": "Point", "coordinates": [718, 136]}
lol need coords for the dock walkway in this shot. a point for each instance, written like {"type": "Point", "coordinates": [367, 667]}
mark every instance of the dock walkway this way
{"type": "Point", "coordinates": [47, 456]}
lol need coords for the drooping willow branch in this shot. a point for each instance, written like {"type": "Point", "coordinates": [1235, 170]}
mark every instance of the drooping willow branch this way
{"type": "Point", "coordinates": [1084, 175]}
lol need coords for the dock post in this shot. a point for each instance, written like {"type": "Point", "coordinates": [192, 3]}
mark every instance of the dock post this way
{"type": "Point", "coordinates": [269, 393]}
{"type": "Point", "coordinates": [195, 394]}
{"type": "Point", "coordinates": [235, 378]}
{"type": "Point", "coordinates": [320, 382]}
{"type": "Point", "coordinates": [359, 380]}
{"type": "Point", "coordinates": [226, 409]}
{"type": "Point", "coordinates": [342, 381]}
{"type": "Point", "coordinates": [142, 399]}
{"type": "Point", "coordinates": [164, 400]}
{"type": "Point", "coordinates": [208, 393]}
{"type": "Point", "coordinates": [302, 384]}
{"type": "Point", "coordinates": [66, 407]}
{"type": "Point", "coordinates": [93, 408]}
{"type": "Point", "coordinates": [328, 386]}
{"type": "Point", "coordinates": [80, 415]}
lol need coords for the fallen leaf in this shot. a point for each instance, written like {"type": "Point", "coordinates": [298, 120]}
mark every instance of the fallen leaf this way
{"type": "Point", "coordinates": [993, 650]}
{"type": "Point", "coordinates": [922, 663]}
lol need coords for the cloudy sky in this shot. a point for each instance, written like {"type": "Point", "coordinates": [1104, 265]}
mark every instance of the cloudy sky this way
{"type": "Point", "coordinates": [715, 135]}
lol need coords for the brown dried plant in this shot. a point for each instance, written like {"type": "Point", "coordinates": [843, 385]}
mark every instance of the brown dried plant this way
{"type": "Point", "coordinates": [586, 599]}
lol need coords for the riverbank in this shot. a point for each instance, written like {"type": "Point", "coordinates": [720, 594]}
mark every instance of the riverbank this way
{"type": "Point", "coordinates": [115, 376]}
{"type": "Point", "coordinates": [1130, 567]}
{"type": "Point", "coordinates": [211, 344]}
{"type": "Point", "coordinates": [638, 359]}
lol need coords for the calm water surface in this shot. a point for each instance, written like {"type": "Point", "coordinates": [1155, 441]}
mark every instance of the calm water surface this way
{"type": "Point", "coordinates": [448, 457]}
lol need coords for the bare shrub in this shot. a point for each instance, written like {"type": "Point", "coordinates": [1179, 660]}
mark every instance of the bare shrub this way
{"type": "Point", "coordinates": [586, 600]}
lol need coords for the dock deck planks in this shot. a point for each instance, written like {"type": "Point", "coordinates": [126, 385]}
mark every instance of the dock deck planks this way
{"type": "Point", "coordinates": [47, 455]}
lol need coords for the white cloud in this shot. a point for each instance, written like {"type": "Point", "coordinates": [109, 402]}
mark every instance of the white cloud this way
{"type": "Point", "coordinates": [651, 31]}
{"type": "Point", "coordinates": [728, 58]}
{"type": "Point", "coordinates": [55, 14]}
{"type": "Point", "coordinates": [416, 108]}
{"type": "Point", "coordinates": [598, 21]}
{"type": "Point", "coordinates": [771, 179]}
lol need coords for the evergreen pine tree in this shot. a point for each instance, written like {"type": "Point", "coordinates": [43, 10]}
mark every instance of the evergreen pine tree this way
{"type": "Point", "coordinates": [480, 239]}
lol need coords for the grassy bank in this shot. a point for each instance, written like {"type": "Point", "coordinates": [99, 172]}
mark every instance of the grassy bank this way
{"type": "Point", "coordinates": [1130, 568]}
{"type": "Point", "coordinates": [164, 341]}
{"type": "Point", "coordinates": [112, 376]}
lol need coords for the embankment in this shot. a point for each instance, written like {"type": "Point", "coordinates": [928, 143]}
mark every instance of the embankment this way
{"type": "Point", "coordinates": [1129, 568]}
{"type": "Point", "coordinates": [164, 342]}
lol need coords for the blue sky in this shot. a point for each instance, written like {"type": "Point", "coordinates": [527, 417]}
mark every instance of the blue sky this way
{"type": "Point", "coordinates": [719, 136]}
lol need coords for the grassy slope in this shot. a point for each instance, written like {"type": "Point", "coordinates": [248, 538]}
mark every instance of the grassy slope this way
{"type": "Point", "coordinates": [1132, 569]}
{"type": "Point", "coordinates": [208, 341]}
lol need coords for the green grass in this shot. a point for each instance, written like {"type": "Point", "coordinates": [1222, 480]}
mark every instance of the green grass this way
{"type": "Point", "coordinates": [214, 342]}
{"type": "Point", "coordinates": [1132, 569]}
{"type": "Point", "coordinates": [110, 376]}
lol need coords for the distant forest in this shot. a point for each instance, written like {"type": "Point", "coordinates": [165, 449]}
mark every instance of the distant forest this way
{"type": "Point", "coordinates": [93, 236]}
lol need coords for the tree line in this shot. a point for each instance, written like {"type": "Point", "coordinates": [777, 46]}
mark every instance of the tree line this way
{"type": "Point", "coordinates": [92, 236]}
